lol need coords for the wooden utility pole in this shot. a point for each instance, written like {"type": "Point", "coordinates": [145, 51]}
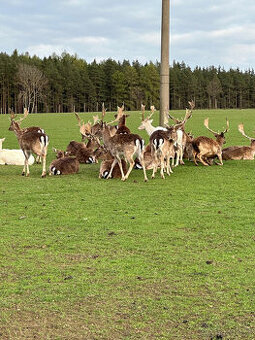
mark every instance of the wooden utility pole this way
{"type": "Point", "coordinates": [164, 66]}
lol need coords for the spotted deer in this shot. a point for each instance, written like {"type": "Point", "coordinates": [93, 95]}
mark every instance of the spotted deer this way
{"type": "Point", "coordinates": [162, 149]}
{"type": "Point", "coordinates": [27, 129]}
{"type": "Point", "coordinates": [240, 152]}
{"type": "Point", "coordinates": [31, 142]}
{"type": "Point", "coordinates": [206, 149]}
{"type": "Point", "coordinates": [181, 134]}
{"type": "Point", "coordinates": [125, 146]}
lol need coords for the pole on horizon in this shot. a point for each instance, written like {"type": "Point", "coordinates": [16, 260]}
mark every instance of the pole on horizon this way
{"type": "Point", "coordinates": [164, 66]}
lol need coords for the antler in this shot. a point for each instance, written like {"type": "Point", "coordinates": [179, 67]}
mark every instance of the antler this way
{"type": "Point", "coordinates": [227, 128]}
{"type": "Point", "coordinates": [24, 115]}
{"type": "Point", "coordinates": [241, 129]}
{"type": "Point", "coordinates": [12, 114]}
{"type": "Point", "coordinates": [206, 124]}
{"type": "Point", "coordinates": [191, 104]}
{"type": "Point", "coordinates": [152, 111]}
{"type": "Point", "coordinates": [103, 111]}
{"type": "Point", "coordinates": [143, 112]}
{"type": "Point", "coordinates": [119, 115]}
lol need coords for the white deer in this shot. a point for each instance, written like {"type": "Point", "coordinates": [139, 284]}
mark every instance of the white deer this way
{"type": "Point", "coordinates": [13, 156]}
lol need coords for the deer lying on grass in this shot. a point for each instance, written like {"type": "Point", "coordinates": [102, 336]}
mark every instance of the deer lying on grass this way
{"type": "Point", "coordinates": [240, 152]}
{"type": "Point", "coordinates": [124, 146]}
{"type": "Point", "coordinates": [31, 142]}
{"type": "Point", "coordinates": [81, 152]}
{"type": "Point", "coordinates": [12, 156]}
{"type": "Point", "coordinates": [205, 148]}
{"type": "Point", "coordinates": [181, 134]}
{"type": "Point", "coordinates": [63, 165]}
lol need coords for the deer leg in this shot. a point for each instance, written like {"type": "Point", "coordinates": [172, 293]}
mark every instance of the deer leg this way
{"type": "Point", "coordinates": [181, 156]}
{"type": "Point", "coordinates": [199, 156]}
{"type": "Point", "coordinates": [155, 163]}
{"type": "Point", "coordinates": [177, 156]}
{"type": "Point", "coordinates": [194, 157]}
{"type": "Point", "coordinates": [27, 155]}
{"type": "Point", "coordinates": [168, 166]}
{"type": "Point", "coordinates": [162, 165]}
{"type": "Point", "coordinates": [44, 164]}
{"type": "Point", "coordinates": [220, 159]}
{"type": "Point", "coordinates": [131, 165]}
{"type": "Point", "coordinates": [121, 168]}
{"type": "Point", "coordinates": [113, 165]}
{"type": "Point", "coordinates": [141, 160]}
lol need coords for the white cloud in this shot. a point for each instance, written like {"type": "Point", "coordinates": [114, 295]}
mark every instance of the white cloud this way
{"type": "Point", "coordinates": [42, 50]}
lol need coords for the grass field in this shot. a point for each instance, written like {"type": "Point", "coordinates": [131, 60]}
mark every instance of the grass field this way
{"type": "Point", "coordinates": [83, 258]}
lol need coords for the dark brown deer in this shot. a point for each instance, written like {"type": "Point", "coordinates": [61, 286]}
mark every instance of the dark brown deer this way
{"type": "Point", "coordinates": [81, 152]}
{"type": "Point", "coordinates": [240, 152]}
{"type": "Point", "coordinates": [63, 165]}
{"type": "Point", "coordinates": [206, 149]}
{"type": "Point", "coordinates": [124, 146]}
{"type": "Point", "coordinates": [31, 142]}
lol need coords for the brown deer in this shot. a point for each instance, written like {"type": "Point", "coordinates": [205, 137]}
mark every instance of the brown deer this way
{"type": "Point", "coordinates": [31, 142]}
{"type": "Point", "coordinates": [240, 152]}
{"type": "Point", "coordinates": [124, 146]}
{"type": "Point", "coordinates": [205, 148]}
{"type": "Point", "coordinates": [63, 165]}
{"type": "Point", "coordinates": [81, 152]}
{"type": "Point", "coordinates": [27, 129]}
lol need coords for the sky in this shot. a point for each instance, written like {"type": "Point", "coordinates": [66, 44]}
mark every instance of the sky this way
{"type": "Point", "coordinates": [202, 32]}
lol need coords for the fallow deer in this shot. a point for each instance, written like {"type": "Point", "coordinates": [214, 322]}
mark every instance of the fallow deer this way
{"type": "Point", "coordinates": [205, 148]}
{"type": "Point", "coordinates": [240, 152]}
{"type": "Point", "coordinates": [81, 152]}
{"type": "Point", "coordinates": [13, 156]}
{"type": "Point", "coordinates": [162, 149]}
{"type": "Point", "coordinates": [181, 134]}
{"type": "Point", "coordinates": [124, 146]}
{"type": "Point", "coordinates": [146, 123]}
{"type": "Point", "coordinates": [31, 142]}
{"type": "Point", "coordinates": [63, 165]}
{"type": "Point", "coordinates": [27, 129]}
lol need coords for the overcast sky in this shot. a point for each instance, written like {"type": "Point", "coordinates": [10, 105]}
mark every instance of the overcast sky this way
{"type": "Point", "coordinates": [203, 32]}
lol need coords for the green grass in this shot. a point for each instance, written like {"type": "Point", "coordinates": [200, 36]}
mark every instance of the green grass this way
{"type": "Point", "coordinates": [83, 258]}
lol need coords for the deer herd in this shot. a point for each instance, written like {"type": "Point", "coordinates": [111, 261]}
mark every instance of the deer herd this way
{"type": "Point", "coordinates": [120, 150]}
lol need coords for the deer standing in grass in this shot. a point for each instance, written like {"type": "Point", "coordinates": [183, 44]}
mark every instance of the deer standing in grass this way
{"type": "Point", "coordinates": [240, 152]}
{"type": "Point", "coordinates": [31, 142]}
{"type": "Point", "coordinates": [27, 129]}
{"type": "Point", "coordinates": [206, 149]}
{"type": "Point", "coordinates": [125, 146]}
{"type": "Point", "coordinates": [181, 135]}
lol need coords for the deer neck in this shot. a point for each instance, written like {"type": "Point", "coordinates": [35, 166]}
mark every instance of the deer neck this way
{"type": "Point", "coordinates": [106, 135]}
{"type": "Point", "coordinates": [220, 140]}
{"type": "Point", "coordinates": [149, 128]}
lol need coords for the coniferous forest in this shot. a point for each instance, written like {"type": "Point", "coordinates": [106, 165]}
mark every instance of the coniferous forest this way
{"type": "Point", "coordinates": [68, 83]}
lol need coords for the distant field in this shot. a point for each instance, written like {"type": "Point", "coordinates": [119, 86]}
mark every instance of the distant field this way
{"type": "Point", "coordinates": [83, 258]}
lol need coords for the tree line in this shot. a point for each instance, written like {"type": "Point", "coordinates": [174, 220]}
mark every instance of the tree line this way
{"type": "Point", "coordinates": [67, 83]}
